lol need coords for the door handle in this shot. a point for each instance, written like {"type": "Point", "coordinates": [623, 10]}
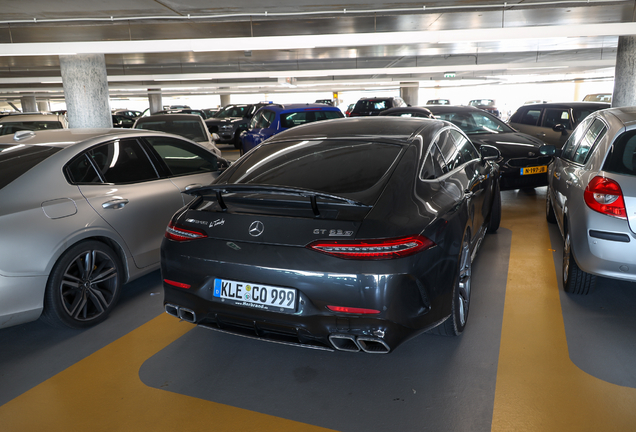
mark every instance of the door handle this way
{"type": "Point", "coordinates": [568, 182]}
{"type": "Point", "coordinates": [115, 204]}
{"type": "Point", "coordinates": [468, 194]}
{"type": "Point", "coordinates": [192, 186]}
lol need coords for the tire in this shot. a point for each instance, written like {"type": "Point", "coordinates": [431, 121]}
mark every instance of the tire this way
{"type": "Point", "coordinates": [495, 211]}
{"type": "Point", "coordinates": [83, 287]}
{"type": "Point", "coordinates": [575, 280]}
{"type": "Point", "coordinates": [549, 210]}
{"type": "Point", "coordinates": [456, 322]}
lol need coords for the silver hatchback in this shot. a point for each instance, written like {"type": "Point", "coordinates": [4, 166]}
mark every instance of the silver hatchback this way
{"type": "Point", "coordinates": [82, 212]}
{"type": "Point", "coordinates": [592, 197]}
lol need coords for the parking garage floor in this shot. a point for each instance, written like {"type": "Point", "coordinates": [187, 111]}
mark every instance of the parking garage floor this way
{"type": "Point", "coordinates": [532, 358]}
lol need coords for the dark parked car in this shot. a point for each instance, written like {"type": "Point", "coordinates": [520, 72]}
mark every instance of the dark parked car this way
{"type": "Point", "coordinates": [200, 113]}
{"type": "Point", "coordinates": [592, 197]}
{"type": "Point", "coordinates": [122, 121]}
{"type": "Point", "coordinates": [272, 119]}
{"type": "Point", "coordinates": [487, 105]}
{"type": "Point", "coordinates": [350, 234]}
{"type": "Point", "coordinates": [134, 114]}
{"type": "Point", "coordinates": [553, 122]}
{"type": "Point", "coordinates": [83, 212]}
{"type": "Point", "coordinates": [373, 106]}
{"type": "Point", "coordinates": [521, 164]}
{"type": "Point", "coordinates": [231, 121]}
{"type": "Point", "coordinates": [438, 102]}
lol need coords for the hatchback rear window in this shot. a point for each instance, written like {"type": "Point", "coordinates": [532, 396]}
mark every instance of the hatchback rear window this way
{"type": "Point", "coordinates": [622, 155]}
{"type": "Point", "coordinates": [15, 160]}
{"type": "Point", "coordinates": [345, 168]}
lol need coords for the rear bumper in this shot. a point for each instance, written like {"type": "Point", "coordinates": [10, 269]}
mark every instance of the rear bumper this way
{"type": "Point", "coordinates": [409, 302]}
{"type": "Point", "coordinates": [21, 299]}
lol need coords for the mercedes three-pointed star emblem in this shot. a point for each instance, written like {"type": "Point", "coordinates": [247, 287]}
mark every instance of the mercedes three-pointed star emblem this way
{"type": "Point", "coordinates": [256, 228]}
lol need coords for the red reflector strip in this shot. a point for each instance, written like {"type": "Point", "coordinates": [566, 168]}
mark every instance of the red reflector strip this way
{"type": "Point", "coordinates": [352, 310]}
{"type": "Point", "coordinates": [177, 284]}
{"type": "Point", "coordinates": [181, 234]}
{"type": "Point", "coordinates": [373, 249]}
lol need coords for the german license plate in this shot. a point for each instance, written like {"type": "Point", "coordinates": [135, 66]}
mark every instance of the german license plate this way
{"type": "Point", "coordinates": [534, 170]}
{"type": "Point", "coordinates": [256, 296]}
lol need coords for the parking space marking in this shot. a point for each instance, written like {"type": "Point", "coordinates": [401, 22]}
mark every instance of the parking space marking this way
{"type": "Point", "coordinates": [538, 387]}
{"type": "Point", "coordinates": [103, 392]}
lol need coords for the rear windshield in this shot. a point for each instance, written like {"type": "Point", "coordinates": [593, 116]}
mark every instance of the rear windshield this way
{"type": "Point", "coordinates": [372, 105]}
{"type": "Point", "coordinates": [15, 160]}
{"type": "Point", "coordinates": [186, 128]}
{"type": "Point", "coordinates": [339, 167]}
{"type": "Point", "coordinates": [622, 156]}
{"type": "Point", "coordinates": [8, 128]}
{"type": "Point", "coordinates": [289, 120]}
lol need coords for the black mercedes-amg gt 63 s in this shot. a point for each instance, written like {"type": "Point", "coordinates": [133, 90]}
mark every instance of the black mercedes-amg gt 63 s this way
{"type": "Point", "coordinates": [350, 234]}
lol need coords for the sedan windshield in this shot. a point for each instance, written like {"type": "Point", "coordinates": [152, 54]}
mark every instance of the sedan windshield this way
{"type": "Point", "coordinates": [475, 122]}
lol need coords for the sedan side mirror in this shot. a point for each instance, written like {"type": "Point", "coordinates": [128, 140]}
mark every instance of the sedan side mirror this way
{"type": "Point", "coordinates": [490, 153]}
{"type": "Point", "coordinates": [549, 150]}
{"type": "Point", "coordinates": [215, 137]}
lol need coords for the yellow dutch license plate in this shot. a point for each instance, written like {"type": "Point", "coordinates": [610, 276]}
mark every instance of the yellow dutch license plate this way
{"type": "Point", "coordinates": [534, 170]}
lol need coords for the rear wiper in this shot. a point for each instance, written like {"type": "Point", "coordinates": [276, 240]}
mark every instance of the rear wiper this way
{"type": "Point", "coordinates": [219, 190]}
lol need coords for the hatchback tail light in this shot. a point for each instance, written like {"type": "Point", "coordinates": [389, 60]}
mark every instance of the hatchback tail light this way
{"type": "Point", "coordinates": [373, 249]}
{"type": "Point", "coordinates": [605, 196]}
{"type": "Point", "coordinates": [176, 233]}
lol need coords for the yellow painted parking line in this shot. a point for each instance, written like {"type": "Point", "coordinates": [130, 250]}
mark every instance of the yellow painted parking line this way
{"type": "Point", "coordinates": [103, 392]}
{"type": "Point", "coordinates": [538, 387]}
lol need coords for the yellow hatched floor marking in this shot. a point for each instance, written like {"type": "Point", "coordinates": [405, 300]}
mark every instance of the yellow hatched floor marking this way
{"type": "Point", "coordinates": [103, 392]}
{"type": "Point", "coordinates": [538, 387]}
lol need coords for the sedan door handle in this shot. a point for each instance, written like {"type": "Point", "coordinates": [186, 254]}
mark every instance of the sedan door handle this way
{"type": "Point", "coordinates": [468, 194]}
{"type": "Point", "coordinates": [192, 186]}
{"type": "Point", "coordinates": [115, 204]}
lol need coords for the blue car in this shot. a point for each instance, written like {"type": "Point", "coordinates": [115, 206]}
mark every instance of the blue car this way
{"type": "Point", "coordinates": [275, 118]}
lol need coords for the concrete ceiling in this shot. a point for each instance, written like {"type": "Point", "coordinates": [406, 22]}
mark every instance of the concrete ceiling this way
{"type": "Point", "coordinates": [245, 46]}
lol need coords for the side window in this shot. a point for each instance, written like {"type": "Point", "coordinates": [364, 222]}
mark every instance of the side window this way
{"type": "Point", "coordinates": [570, 145]}
{"type": "Point", "coordinates": [81, 171]}
{"type": "Point", "coordinates": [181, 157]}
{"type": "Point", "coordinates": [466, 148]}
{"type": "Point", "coordinates": [264, 119]}
{"type": "Point", "coordinates": [622, 155]}
{"type": "Point", "coordinates": [122, 161]}
{"type": "Point", "coordinates": [432, 166]}
{"type": "Point", "coordinates": [591, 137]}
{"type": "Point", "coordinates": [530, 117]}
{"type": "Point", "coordinates": [554, 117]}
{"type": "Point", "coordinates": [450, 152]}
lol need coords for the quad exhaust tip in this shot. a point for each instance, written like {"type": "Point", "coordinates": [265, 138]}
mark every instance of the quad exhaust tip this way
{"type": "Point", "coordinates": [367, 344]}
{"type": "Point", "coordinates": [182, 313]}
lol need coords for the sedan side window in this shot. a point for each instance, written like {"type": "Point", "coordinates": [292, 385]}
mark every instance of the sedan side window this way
{"type": "Point", "coordinates": [466, 148]}
{"type": "Point", "coordinates": [432, 166]}
{"type": "Point", "coordinates": [181, 157]}
{"type": "Point", "coordinates": [554, 117]}
{"type": "Point", "coordinates": [119, 161]}
{"type": "Point", "coordinates": [531, 117]}
{"type": "Point", "coordinates": [449, 150]}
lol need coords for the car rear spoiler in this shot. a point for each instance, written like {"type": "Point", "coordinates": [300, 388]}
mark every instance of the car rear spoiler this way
{"type": "Point", "coordinates": [219, 190]}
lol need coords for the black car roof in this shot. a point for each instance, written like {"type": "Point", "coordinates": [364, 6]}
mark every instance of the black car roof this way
{"type": "Point", "coordinates": [387, 127]}
{"type": "Point", "coordinates": [601, 105]}
{"type": "Point", "coordinates": [441, 109]}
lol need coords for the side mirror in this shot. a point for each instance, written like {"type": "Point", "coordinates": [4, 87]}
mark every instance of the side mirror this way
{"type": "Point", "coordinates": [559, 128]}
{"type": "Point", "coordinates": [549, 150]}
{"type": "Point", "coordinates": [215, 137]}
{"type": "Point", "coordinates": [490, 153]}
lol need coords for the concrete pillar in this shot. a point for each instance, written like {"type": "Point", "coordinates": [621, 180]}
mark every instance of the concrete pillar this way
{"type": "Point", "coordinates": [625, 73]}
{"type": "Point", "coordinates": [28, 104]}
{"type": "Point", "coordinates": [577, 91]}
{"type": "Point", "coordinates": [409, 91]}
{"type": "Point", "coordinates": [44, 106]}
{"type": "Point", "coordinates": [154, 99]}
{"type": "Point", "coordinates": [225, 100]}
{"type": "Point", "coordinates": [86, 90]}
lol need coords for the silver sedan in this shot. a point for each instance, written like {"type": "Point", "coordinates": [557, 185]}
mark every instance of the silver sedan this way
{"type": "Point", "coordinates": [83, 212]}
{"type": "Point", "coordinates": [592, 197]}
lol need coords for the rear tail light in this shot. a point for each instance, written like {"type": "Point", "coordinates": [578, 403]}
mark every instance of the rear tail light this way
{"type": "Point", "coordinates": [605, 196]}
{"type": "Point", "coordinates": [352, 310]}
{"type": "Point", "coordinates": [175, 233]}
{"type": "Point", "coordinates": [373, 249]}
